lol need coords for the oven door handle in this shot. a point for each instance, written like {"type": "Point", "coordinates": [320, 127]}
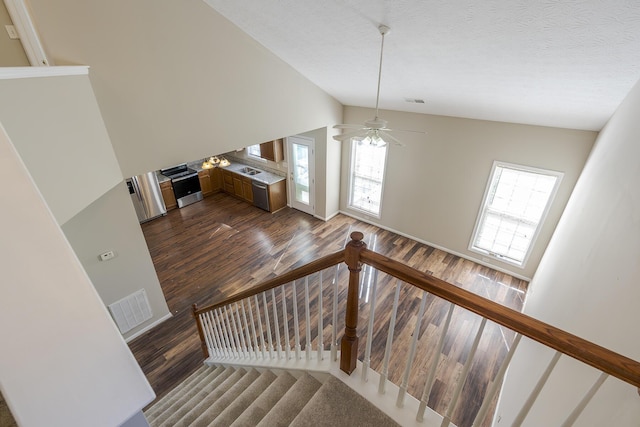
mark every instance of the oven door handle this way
{"type": "Point", "coordinates": [182, 178]}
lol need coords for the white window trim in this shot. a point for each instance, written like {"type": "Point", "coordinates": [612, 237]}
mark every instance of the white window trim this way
{"type": "Point", "coordinates": [350, 182]}
{"type": "Point", "coordinates": [253, 156]}
{"type": "Point", "coordinates": [483, 205]}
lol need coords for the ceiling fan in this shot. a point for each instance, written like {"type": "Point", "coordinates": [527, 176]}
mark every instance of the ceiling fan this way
{"type": "Point", "coordinates": [374, 131]}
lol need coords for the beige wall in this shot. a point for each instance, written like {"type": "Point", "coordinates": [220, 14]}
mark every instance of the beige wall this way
{"type": "Point", "coordinates": [176, 81]}
{"type": "Point", "coordinates": [63, 361]}
{"type": "Point", "coordinates": [11, 51]}
{"type": "Point", "coordinates": [57, 128]}
{"type": "Point", "coordinates": [434, 186]}
{"type": "Point", "coordinates": [587, 283]}
{"type": "Point", "coordinates": [110, 223]}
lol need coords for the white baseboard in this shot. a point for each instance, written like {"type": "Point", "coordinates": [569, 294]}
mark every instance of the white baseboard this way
{"type": "Point", "coordinates": [327, 218]}
{"type": "Point", "coordinates": [149, 327]}
{"type": "Point", "coordinates": [442, 248]}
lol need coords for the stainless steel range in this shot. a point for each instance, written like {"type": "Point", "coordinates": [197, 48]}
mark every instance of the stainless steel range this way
{"type": "Point", "coordinates": [186, 185]}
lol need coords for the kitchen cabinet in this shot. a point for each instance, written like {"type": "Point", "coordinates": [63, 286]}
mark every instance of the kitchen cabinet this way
{"type": "Point", "coordinates": [277, 196]}
{"type": "Point", "coordinates": [216, 179]}
{"type": "Point", "coordinates": [247, 190]}
{"type": "Point", "coordinates": [227, 181]}
{"type": "Point", "coordinates": [240, 186]}
{"type": "Point", "coordinates": [205, 182]}
{"type": "Point", "coordinates": [273, 150]}
{"type": "Point", "coordinates": [168, 196]}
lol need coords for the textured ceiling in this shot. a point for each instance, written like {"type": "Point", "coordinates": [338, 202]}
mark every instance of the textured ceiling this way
{"type": "Point", "coordinates": [553, 63]}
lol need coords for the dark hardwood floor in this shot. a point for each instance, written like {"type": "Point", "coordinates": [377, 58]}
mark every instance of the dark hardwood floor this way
{"type": "Point", "coordinates": [210, 250]}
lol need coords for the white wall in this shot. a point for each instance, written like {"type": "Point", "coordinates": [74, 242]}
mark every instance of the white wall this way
{"type": "Point", "coordinates": [176, 81]}
{"type": "Point", "coordinates": [434, 186]}
{"type": "Point", "coordinates": [587, 282]}
{"type": "Point", "coordinates": [110, 223]}
{"type": "Point", "coordinates": [63, 362]}
{"type": "Point", "coordinates": [55, 124]}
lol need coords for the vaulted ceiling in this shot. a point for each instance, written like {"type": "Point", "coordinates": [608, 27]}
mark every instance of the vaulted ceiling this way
{"type": "Point", "coordinates": [561, 63]}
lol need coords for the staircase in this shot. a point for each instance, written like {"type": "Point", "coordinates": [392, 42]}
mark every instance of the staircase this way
{"type": "Point", "coordinates": [228, 396]}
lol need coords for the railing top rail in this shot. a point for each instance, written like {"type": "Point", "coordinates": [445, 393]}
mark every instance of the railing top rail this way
{"type": "Point", "coordinates": [585, 351]}
{"type": "Point", "coordinates": [298, 273]}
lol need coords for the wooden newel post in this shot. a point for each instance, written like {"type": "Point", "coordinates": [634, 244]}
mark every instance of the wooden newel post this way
{"type": "Point", "coordinates": [203, 344]}
{"type": "Point", "coordinates": [349, 343]}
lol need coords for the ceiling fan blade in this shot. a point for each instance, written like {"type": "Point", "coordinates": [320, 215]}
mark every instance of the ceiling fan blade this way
{"type": "Point", "coordinates": [386, 136]}
{"type": "Point", "coordinates": [349, 135]}
{"type": "Point", "coordinates": [348, 126]}
{"type": "Point", "coordinates": [406, 130]}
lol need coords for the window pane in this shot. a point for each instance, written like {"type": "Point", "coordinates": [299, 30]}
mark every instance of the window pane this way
{"type": "Point", "coordinates": [366, 176]}
{"type": "Point", "coordinates": [254, 150]}
{"type": "Point", "coordinates": [512, 212]}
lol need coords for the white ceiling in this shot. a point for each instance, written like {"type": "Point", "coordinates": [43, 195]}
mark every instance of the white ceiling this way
{"type": "Point", "coordinates": [561, 63]}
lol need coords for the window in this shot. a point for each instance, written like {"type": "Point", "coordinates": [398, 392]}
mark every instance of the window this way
{"type": "Point", "coordinates": [366, 176]}
{"type": "Point", "coordinates": [254, 150]}
{"type": "Point", "coordinates": [515, 204]}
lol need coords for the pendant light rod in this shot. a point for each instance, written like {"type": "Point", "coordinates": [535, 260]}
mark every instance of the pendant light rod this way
{"type": "Point", "coordinates": [383, 30]}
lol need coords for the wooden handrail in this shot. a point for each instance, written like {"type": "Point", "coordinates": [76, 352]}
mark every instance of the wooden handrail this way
{"type": "Point", "coordinates": [585, 351]}
{"type": "Point", "coordinates": [355, 254]}
{"type": "Point", "coordinates": [298, 273]}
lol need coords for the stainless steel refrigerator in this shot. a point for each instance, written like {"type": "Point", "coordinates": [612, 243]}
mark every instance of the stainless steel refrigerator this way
{"type": "Point", "coordinates": [146, 196]}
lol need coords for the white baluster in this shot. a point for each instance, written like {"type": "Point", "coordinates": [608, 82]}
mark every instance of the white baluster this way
{"type": "Point", "coordinates": [296, 324]}
{"type": "Point", "coordinates": [237, 335]}
{"type": "Point", "coordinates": [585, 401]}
{"type": "Point", "coordinates": [246, 329]}
{"type": "Point", "coordinates": [253, 327]}
{"type": "Point", "coordinates": [463, 376]}
{"type": "Point", "coordinates": [497, 383]}
{"type": "Point", "coordinates": [320, 314]}
{"type": "Point", "coordinates": [372, 312]}
{"type": "Point", "coordinates": [266, 318]}
{"type": "Point", "coordinates": [214, 332]}
{"type": "Point", "coordinates": [262, 346]}
{"type": "Point", "coordinates": [222, 332]}
{"type": "Point", "coordinates": [232, 338]}
{"type": "Point", "coordinates": [536, 391]}
{"type": "Point", "coordinates": [241, 329]}
{"type": "Point", "coordinates": [206, 333]}
{"type": "Point", "coordinates": [211, 332]}
{"type": "Point", "coordinates": [431, 376]}
{"type": "Point", "coordinates": [276, 324]}
{"type": "Point", "coordinates": [308, 318]}
{"type": "Point", "coordinates": [334, 327]}
{"type": "Point", "coordinates": [412, 352]}
{"type": "Point", "coordinates": [387, 350]}
{"type": "Point", "coordinates": [285, 321]}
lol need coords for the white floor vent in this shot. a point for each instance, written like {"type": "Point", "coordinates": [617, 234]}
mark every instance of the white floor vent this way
{"type": "Point", "coordinates": [131, 311]}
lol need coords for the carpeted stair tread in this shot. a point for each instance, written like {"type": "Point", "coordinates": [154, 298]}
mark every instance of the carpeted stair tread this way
{"type": "Point", "coordinates": [246, 398]}
{"type": "Point", "coordinates": [336, 404]}
{"type": "Point", "coordinates": [291, 403]}
{"type": "Point", "coordinates": [193, 385]}
{"type": "Point", "coordinates": [209, 392]}
{"type": "Point", "coordinates": [174, 394]}
{"type": "Point", "coordinates": [207, 410]}
{"type": "Point", "coordinates": [204, 385]}
{"type": "Point", "coordinates": [263, 404]}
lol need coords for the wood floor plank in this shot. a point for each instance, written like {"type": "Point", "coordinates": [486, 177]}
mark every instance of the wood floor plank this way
{"type": "Point", "coordinates": [212, 249]}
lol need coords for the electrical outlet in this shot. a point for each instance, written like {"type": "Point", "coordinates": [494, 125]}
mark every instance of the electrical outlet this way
{"type": "Point", "coordinates": [107, 256]}
{"type": "Point", "coordinates": [11, 30]}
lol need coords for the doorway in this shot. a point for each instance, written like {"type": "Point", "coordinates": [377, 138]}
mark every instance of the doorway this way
{"type": "Point", "coordinates": [302, 180]}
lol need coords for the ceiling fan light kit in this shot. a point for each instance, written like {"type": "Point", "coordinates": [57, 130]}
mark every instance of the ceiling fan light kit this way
{"type": "Point", "coordinates": [374, 131]}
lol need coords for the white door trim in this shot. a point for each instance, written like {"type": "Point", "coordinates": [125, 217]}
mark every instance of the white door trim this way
{"type": "Point", "coordinates": [21, 18]}
{"type": "Point", "coordinates": [310, 142]}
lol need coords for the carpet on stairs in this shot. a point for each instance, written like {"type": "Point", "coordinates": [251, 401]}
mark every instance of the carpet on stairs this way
{"type": "Point", "coordinates": [248, 398]}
